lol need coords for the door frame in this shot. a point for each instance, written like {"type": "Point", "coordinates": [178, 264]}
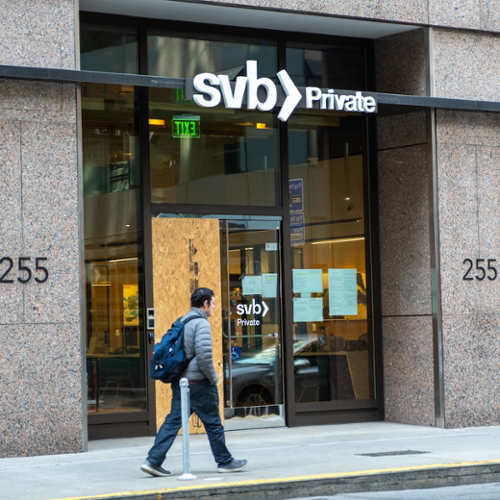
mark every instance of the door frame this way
{"type": "Point", "coordinates": [274, 223]}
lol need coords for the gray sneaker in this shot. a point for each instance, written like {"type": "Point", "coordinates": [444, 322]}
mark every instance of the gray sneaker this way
{"type": "Point", "coordinates": [234, 466]}
{"type": "Point", "coordinates": [154, 470]}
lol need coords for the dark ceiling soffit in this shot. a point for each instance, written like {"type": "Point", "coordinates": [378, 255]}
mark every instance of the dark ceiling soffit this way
{"type": "Point", "coordinates": [76, 76]}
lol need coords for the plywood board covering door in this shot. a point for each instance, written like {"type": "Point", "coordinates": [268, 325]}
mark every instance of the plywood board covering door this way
{"type": "Point", "coordinates": [186, 255]}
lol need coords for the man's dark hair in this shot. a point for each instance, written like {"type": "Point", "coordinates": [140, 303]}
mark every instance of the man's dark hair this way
{"type": "Point", "coordinates": [200, 296]}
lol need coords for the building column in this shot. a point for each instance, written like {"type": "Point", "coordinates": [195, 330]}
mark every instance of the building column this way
{"type": "Point", "coordinates": [466, 66]}
{"type": "Point", "coordinates": [40, 320]}
{"type": "Point", "coordinates": [404, 206]}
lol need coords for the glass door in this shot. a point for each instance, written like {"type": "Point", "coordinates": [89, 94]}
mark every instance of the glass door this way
{"type": "Point", "coordinates": [252, 325]}
{"type": "Point", "coordinates": [116, 351]}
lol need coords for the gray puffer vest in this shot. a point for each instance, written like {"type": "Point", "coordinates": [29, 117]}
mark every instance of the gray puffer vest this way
{"type": "Point", "coordinates": [198, 343]}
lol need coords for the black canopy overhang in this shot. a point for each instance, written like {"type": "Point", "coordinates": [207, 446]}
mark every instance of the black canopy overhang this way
{"type": "Point", "coordinates": [80, 76]}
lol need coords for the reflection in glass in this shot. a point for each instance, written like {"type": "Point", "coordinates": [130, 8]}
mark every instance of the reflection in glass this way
{"type": "Point", "coordinates": [110, 49]}
{"type": "Point", "coordinates": [176, 57]}
{"type": "Point", "coordinates": [113, 250]}
{"type": "Point", "coordinates": [332, 327]}
{"type": "Point", "coordinates": [327, 66]}
{"type": "Point", "coordinates": [211, 156]}
{"type": "Point", "coordinates": [251, 319]}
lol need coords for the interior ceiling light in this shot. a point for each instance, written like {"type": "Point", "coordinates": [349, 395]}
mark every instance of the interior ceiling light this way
{"type": "Point", "coordinates": [346, 171]}
{"type": "Point", "coordinates": [339, 240]}
{"type": "Point", "coordinates": [155, 121]}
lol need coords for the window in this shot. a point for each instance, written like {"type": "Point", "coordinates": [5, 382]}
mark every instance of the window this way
{"type": "Point", "coordinates": [225, 157]}
{"type": "Point", "coordinates": [332, 329]}
{"type": "Point", "coordinates": [113, 250]}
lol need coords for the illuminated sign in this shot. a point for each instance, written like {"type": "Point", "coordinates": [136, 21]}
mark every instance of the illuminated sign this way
{"type": "Point", "coordinates": [186, 126]}
{"type": "Point", "coordinates": [208, 90]}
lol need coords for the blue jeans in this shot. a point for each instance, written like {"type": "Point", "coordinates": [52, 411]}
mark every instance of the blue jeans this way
{"type": "Point", "coordinates": [204, 400]}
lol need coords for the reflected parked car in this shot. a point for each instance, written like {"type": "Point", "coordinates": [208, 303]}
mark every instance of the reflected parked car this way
{"type": "Point", "coordinates": [256, 375]}
{"type": "Point", "coordinates": [321, 372]}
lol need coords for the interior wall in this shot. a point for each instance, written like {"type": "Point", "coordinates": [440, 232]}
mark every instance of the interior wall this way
{"type": "Point", "coordinates": [186, 256]}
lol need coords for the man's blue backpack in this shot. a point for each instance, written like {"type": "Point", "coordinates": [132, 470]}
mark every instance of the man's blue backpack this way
{"type": "Point", "coordinates": [169, 361]}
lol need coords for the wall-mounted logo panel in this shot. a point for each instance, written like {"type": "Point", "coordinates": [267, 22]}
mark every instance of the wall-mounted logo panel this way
{"type": "Point", "coordinates": [209, 90]}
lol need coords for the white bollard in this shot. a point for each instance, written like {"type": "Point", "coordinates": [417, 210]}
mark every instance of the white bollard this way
{"type": "Point", "coordinates": [184, 385]}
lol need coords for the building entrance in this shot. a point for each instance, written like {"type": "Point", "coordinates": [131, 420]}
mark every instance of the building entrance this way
{"type": "Point", "coordinates": [289, 253]}
{"type": "Point", "coordinates": [240, 261]}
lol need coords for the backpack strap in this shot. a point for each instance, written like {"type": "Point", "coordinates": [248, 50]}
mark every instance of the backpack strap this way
{"type": "Point", "coordinates": [187, 320]}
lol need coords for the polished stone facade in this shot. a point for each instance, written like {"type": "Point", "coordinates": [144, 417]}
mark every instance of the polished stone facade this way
{"type": "Point", "coordinates": [453, 52]}
{"type": "Point", "coordinates": [403, 179]}
{"type": "Point", "coordinates": [464, 14]}
{"type": "Point", "coordinates": [469, 200]}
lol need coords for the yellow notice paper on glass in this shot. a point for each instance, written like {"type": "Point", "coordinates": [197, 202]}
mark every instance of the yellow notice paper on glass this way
{"type": "Point", "coordinates": [307, 310]}
{"type": "Point", "coordinates": [343, 292]}
{"type": "Point", "coordinates": [252, 285]}
{"type": "Point", "coordinates": [269, 285]}
{"type": "Point", "coordinates": [307, 281]}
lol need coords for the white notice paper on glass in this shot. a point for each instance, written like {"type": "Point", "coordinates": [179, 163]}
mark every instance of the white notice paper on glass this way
{"type": "Point", "coordinates": [343, 292]}
{"type": "Point", "coordinates": [269, 285]}
{"type": "Point", "coordinates": [307, 281]}
{"type": "Point", "coordinates": [307, 310]}
{"type": "Point", "coordinates": [252, 285]}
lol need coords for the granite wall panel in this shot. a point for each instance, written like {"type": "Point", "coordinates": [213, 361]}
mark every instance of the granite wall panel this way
{"type": "Point", "coordinates": [408, 370]}
{"type": "Point", "coordinates": [455, 13]}
{"type": "Point", "coordinates": [396, 73]}
{"type": "Point", "coordinates": [466, 64]}
{"type": "Point", "coordinates": [471, 369]}
{"type": "Point", "coordinates": [488, 166]}
{"type": "Point", "coordinates": [40, 402]}
{"type": "Point", "coordinates": [473, 128]}
{"type": "Point", "coordinates": [404, 231]}
{"type": "Point", "coordinates": [397, 131]}
{"type": "Point", "coordinates": [49, 176]}
{"type": "Point", "coordinates": [11, 303]}
{"type": "Point", "coordinates": [490, 15]}
{"type": "Point", "coordinates": [10, 180]}
{"type": "Point", "coordinates": [37, 33]}
{"type": "Point", "coordinates": [469, 200]}
{"type": "Point", "coordinates": [458, 226]}
{"type": "Point", "coordinates": [414, 12]}
{"type": "Point", "coordinates": [31, 101]}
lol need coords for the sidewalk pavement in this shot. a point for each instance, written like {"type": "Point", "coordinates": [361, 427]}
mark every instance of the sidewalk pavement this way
{"type": "Point", "coordinates": [283, 463]}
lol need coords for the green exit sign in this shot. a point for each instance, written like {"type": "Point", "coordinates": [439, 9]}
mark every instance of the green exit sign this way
{"type": "Point", "coordinates": [186, 126]}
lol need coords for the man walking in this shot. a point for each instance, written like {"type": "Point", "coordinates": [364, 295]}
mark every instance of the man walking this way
{"type": "Point", "coordinates": [204, 398]}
